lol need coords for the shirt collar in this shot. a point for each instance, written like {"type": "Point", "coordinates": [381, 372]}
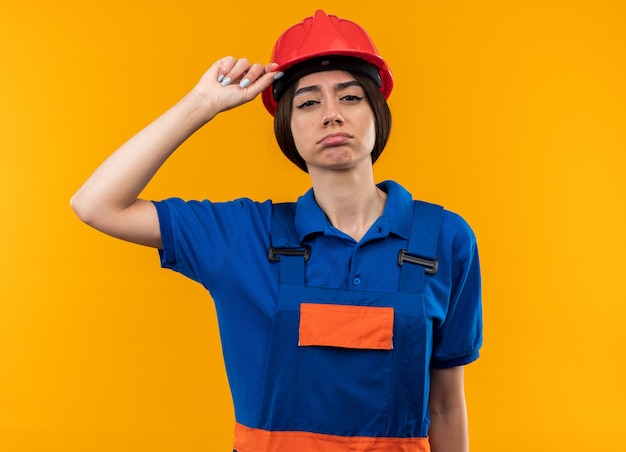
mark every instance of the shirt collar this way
{"type": "Point", "coordinates": [398, 213]}
{"type": "Point", "coordinates": [398, 208]}
{"type": "Point", "coordinates": [310, 218]}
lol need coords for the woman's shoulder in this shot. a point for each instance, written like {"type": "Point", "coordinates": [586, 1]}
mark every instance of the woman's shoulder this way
{"type": "Point", "coordinates": [454, 221]}
{"type": "Point", "coordinates": [457, 234]}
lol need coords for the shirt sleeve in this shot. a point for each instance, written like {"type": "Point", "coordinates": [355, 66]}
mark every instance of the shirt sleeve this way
{"type": "Point", "coordinates": [457, 340]}
{"type": "Point", "coordinates": [200, 238]}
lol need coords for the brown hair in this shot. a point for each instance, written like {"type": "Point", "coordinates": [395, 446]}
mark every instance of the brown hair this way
{"type": "Point", "coordinates": [382, 120]}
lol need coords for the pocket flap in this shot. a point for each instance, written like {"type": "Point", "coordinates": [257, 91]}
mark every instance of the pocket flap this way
{"type": "Point", "coordinates": [333, 325]}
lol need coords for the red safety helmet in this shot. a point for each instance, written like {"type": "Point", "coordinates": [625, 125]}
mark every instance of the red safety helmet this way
{"type": "Point", "coordinates": [323, 35]}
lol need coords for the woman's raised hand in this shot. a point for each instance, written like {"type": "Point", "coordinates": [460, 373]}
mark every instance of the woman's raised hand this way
{"type": "Point", "coordinates": [231, 82]}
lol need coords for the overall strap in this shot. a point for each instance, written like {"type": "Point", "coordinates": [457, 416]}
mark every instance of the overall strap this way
{"type": "Point", "coordinates": [285, 244]}
{"type": "Point", "coordinates": [420, 257]}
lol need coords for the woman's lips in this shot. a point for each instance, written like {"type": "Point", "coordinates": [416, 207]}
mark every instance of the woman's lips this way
{"type": "Point", "coordinates": [335, 139]}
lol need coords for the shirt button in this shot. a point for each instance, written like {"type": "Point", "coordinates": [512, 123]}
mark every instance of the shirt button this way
{"type": "Point", "coordinates": [356, 281]}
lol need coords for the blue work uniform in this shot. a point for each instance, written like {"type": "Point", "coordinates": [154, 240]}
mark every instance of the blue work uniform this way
{"type": "Point", "coordinates": [331, 339]}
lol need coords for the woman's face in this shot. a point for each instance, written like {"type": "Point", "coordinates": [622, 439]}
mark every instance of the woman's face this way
{"type": "Point", "coordinates": [332, 122]}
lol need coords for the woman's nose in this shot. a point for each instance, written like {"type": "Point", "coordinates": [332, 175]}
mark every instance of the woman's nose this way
{"type": "Point", "coordinates": [334, 118]}
{"type": "Point", "coordinates": [331, 115]}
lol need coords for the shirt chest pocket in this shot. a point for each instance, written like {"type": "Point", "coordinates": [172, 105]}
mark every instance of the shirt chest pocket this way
{"type": "Point", "coordinates": [346, 326]}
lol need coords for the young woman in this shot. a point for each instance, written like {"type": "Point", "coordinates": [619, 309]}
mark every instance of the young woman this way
{"type": "Point", "coordinates": [346, 317]}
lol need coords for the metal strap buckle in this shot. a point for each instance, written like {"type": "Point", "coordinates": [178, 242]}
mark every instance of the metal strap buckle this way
{"type": "Point", "coordinates": [431, 266]}
{"type": "Point", "coordinates": [275, 253]}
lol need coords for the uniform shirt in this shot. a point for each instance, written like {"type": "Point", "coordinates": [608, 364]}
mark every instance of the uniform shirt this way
{"type": "Point", "coordinates": [224, 247]}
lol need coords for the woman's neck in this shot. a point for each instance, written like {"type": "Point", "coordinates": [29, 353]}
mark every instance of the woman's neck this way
{"type": "Point", "coordinates": [351, 202]}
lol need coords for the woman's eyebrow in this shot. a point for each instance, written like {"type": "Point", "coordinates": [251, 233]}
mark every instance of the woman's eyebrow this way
{"type": "Point", "coordinates": [306, 89]}
{"type": "Point", "coordinates": [344, 85]}
{"type": "Point", "coordinates": [338, 87]}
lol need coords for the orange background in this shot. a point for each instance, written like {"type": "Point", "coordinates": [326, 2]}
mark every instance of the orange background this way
{"type": "Point", "coordinates": [512, 114]}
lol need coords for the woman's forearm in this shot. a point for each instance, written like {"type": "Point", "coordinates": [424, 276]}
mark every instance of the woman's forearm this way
{"type": "Point", "coordinates": [448, 413]}
{"type": "Point", "coordinates": [119, 180]}
{"type": "Point", "coordinates": [449, 431]}
{"type": "Point", "coordinates": [109, 201]}
{"type": "Point", "coordinates": [105, 199]}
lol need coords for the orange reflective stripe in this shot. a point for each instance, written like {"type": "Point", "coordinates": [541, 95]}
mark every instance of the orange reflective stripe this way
{"type": "Point", "coordinates": [333, 325]}
{"type": "Point", "coordinates": [258, 440]}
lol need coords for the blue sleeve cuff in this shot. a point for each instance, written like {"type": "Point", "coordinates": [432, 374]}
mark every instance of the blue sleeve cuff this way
{"type": "Point", "coordinates": [167, 251]}
{"type": "Point", "coordinates": [454, 362]}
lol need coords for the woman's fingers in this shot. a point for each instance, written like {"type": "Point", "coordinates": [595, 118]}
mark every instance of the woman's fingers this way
{"type": "Point", "coordinates": [233, 81]}
{"type": "Point", "coordinates": [241, 71]}
{"type": "Point", "coordinates": [237, 72]}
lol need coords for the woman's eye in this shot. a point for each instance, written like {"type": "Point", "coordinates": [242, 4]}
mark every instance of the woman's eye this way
{"type": "Point", "coordinates": [351, 98]}
{"type": "Point", "coordinates": [306, 104]}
